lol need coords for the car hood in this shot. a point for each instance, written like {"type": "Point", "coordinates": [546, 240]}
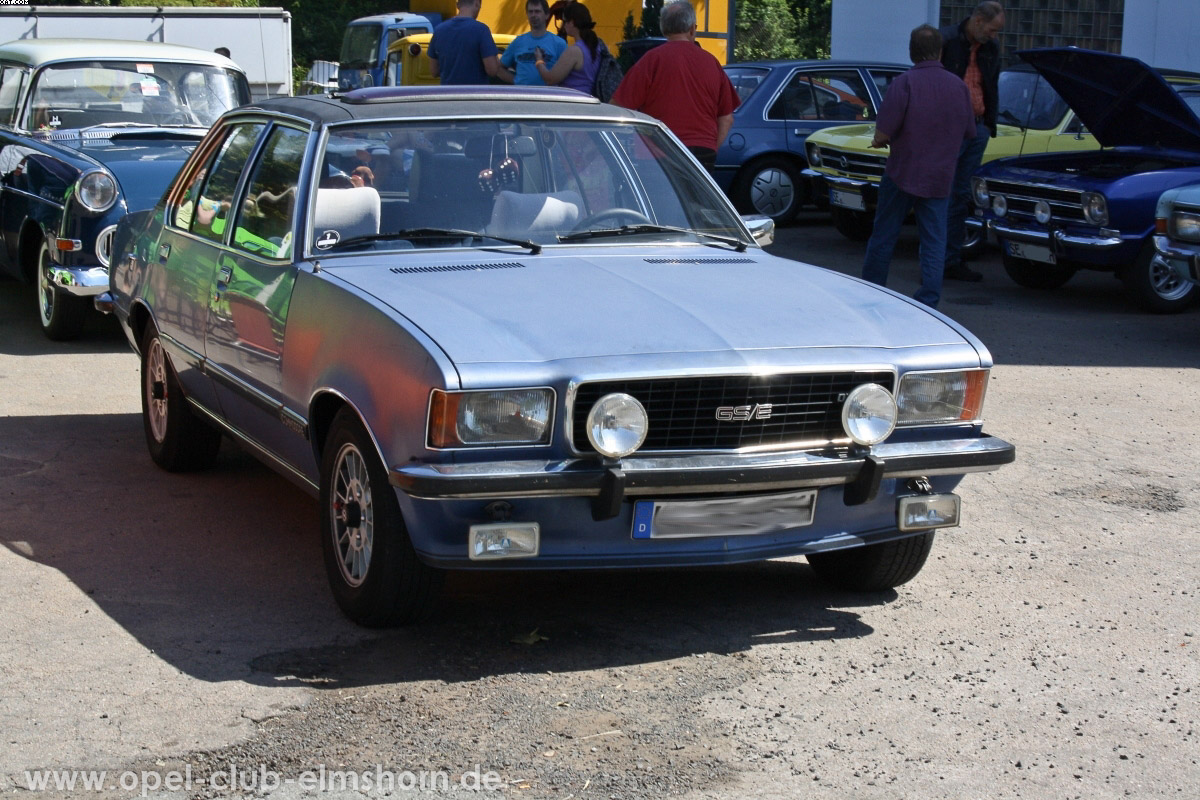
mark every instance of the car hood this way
{"type": "Point", "coordinates": [1120, 99]}
{"type": "Point", "coordinates": [615, 302]}
{"type": "Point", "coordinates": [143, 167]}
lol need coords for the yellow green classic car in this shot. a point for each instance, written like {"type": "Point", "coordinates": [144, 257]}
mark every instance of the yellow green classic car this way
{"type": "Point", "coordinates": [1032, 119]}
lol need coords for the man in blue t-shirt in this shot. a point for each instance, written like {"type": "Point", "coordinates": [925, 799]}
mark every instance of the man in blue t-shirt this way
{"type": "Point", "coordinates": [462, 50]}
{"type": "Point", "coordinates": [518, 62]}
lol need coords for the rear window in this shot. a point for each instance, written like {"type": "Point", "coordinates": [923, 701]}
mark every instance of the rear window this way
{"type": "Point", "coordinates": [745, 80]}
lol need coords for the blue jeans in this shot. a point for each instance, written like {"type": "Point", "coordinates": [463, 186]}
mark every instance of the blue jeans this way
{"type": "Point", "coordinates": [970, 155]}
{"type": "Point", "coordinates": [893, 206]}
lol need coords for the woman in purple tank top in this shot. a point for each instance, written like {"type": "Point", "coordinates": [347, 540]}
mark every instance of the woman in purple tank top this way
{"type": "Point", "coordinates": [576, 67]}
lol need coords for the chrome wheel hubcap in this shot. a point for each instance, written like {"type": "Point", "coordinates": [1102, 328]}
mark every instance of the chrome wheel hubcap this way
{"type": "Point", "coordinates": [353, 515]}
{"type": "Point", "coordinates": [156, 390]}
{"type": "Point", "coordinates": [45, 288]}
{"type": "Point", "coordinates": [1165, 282]}
{"type": "Point", "coordinates": [772, 192]}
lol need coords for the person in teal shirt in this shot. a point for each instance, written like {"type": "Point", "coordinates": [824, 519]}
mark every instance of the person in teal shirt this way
{"type": "Point", "coordinates": [518, 64]}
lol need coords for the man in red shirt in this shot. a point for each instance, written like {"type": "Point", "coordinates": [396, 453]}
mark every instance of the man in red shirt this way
{"type": "Point", "coordinates": [683, 85]}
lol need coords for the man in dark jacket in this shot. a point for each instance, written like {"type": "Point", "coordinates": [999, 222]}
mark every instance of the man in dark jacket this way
{"type": "Point", "coordinates": [971, 52]}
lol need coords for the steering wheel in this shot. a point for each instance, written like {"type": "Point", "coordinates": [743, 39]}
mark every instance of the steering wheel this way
{"type": "Point", "coordinates": [614, 214]}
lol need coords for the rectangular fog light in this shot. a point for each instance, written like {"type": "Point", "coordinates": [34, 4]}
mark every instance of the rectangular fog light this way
{"type": "Point", "coordinates": [503, 540]}
{"type": "Point", "coordinates": [926, 511]}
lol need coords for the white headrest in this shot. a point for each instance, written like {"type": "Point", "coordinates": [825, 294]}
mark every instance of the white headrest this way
{"type": "Point", "coordinates": [519, 213]}
{"type": "Point", "coordinates": [350, 212]}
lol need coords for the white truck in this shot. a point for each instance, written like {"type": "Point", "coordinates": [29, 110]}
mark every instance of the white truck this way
{"type": "Point", "coordinates": [259, 40]}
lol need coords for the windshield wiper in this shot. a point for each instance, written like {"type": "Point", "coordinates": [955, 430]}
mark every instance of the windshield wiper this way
{"type": "Point", "coordinates": [631, 230]}
{"type": "Point", "coordinates": [427, 233]}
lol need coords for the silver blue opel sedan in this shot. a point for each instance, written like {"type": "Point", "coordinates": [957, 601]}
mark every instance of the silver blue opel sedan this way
{"type": "Point", "coordinates": [512, 328]}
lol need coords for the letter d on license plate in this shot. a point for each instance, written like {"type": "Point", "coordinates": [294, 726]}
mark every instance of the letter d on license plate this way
{"type": "Point", "coordinates": [729, 516]}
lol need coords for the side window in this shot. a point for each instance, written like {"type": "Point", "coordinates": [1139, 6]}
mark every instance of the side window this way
{"type": "Point", "coordinates": [11, 81]}
{"type": "Point", "coordinates": [264, 223]}
{"type": "Point", "coordinates": [215, 201]}
{"type": "Point", "coordinates": [824, 95]}
{"type": "Point", "coordinates": [883, 79]}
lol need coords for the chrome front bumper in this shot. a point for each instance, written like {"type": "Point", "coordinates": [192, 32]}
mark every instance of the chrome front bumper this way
{"type": "Point", "coordinates": [699, 474]}
{"type": "Point", "coordinates": [852, 184]}
{"type": "Point", "coordinates": [1183, 258]}
{"type": "Point", "coordinates": [79, 281]}
{"type": "Point", "coordinates": [1056, 238]}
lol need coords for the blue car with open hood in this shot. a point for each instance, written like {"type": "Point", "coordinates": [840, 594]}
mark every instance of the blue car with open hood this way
{"type": "Point", "coordinates": [533, 334]}
{"type": "Point", "coordinates": [1058, 213]}
{"type": "Point", "coordinates": [91, 129]}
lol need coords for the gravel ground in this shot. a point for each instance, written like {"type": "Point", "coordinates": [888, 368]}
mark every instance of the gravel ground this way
{"type": "Point", "coordinates": [1048, 648]}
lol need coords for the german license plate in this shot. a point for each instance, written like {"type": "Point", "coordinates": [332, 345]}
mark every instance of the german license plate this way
{"type": "Point", "coordinates": [1031, 252]}
{"type": "Point", "coordinates": [840, 197]}
{"type": "Point", "coordinates": [731, 516]}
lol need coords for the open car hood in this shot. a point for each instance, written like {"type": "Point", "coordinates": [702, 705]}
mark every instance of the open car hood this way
{"type": "Point", "coordinates": [1120, 99]}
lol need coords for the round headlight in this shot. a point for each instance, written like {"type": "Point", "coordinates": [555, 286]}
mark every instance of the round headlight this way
{"type": "Point", "coordinates": [414, 49]}
{"type": "Point", "coordinates": [1041, 212]}
{"type": "Point", "coordinates": [1095, 208]}
{"type": "Point", "coordinates": [814, 156]}
{"type": "Point", "coordinates": [869, 414]}
{"type": "Point", "coordinates": [96, 190]}
{"type": "Point", "coordinates": [617, 425]}
{"type": "Point", "coordinates": [999, 205]}
{"type": "Point", "coordinates": [980, 191]}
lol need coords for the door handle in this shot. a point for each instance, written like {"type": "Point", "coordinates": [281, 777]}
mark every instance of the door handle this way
{"type": "Point", "coordinates": [164, 252]}
{"type": "Point", "coordinates": [226, 273]}
{"type": "Point", "coordinates": [802, 131]}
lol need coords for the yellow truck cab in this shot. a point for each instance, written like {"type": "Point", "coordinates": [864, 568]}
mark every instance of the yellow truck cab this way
{"type": "Point", "coordinates": [408, 60]}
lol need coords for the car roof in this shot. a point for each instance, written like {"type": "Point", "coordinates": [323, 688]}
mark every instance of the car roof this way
{"type": "Point", "coordinates": [817, 62]}
{"type": "Point", "coordinates": [389, 102]}
{"type": "Point", "coordinates": [402, 17]}
{"type": "Point", "coordinates": [37, 52]}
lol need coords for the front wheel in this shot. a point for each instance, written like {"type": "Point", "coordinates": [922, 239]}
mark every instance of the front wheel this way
{"type": "Point", "coordinates": [61, 314]}
{"type": "Point", "coordinates": [1155, 286]}
{"type": "Point", "coordinates": [873, 567]}
{"type": "Point", "coordinates": [178, 440]}
{"type": "Point", "coordinates": [854, 225]}
{"type": "Point", "coordinates": [373, 570]}
{"type": "Point", "coordinates": [1036, 275]}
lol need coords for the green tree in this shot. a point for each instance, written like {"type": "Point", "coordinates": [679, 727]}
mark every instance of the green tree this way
{"type": "Point", "coordinates": [765, 29]}
{"type": "Point", "coordinates": [814, 20]}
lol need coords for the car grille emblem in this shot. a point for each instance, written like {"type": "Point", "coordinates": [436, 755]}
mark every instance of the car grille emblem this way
{"type": "Point", "coordinates": [845, 163]}
{"type": "Point", "coordinates": [744, 413]}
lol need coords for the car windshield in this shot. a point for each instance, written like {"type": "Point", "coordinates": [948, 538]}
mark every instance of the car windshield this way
{"type": "Point", "coordinates": [360, 45]}
{"type": "Point", "coordinates": [83, 94]}
{"type": "Point", "coordinates": [480, 183]}
{"type": "Point", "coordinates": [1026, 100]}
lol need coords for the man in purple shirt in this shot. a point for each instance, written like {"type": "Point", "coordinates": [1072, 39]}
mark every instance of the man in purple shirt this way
{"type": "Point", "coordinates": [925, 117]}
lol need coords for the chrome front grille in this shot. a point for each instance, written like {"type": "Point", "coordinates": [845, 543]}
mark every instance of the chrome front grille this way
{"type": "Point", "coordinates": [1066, 205]}
{"type": "Point", "coordinates": [801, 409]}
{"type": "Point", "coordinates": [853, 164]}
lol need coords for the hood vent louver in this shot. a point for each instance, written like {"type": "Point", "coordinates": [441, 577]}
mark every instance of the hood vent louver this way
{"type": "Point", "coordinates": [458, 267]}
{"type": "Point", "coordinates": [699, 260]}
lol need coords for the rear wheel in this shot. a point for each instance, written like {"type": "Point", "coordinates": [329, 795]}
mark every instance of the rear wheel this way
{"type": "Point", "coordinates": [61, 314]}
{"type": "Point", "coordinates": [1155, 286]}
{"type": "Point", "coordinates": [373, 570]}
{"type": "Point", "coordinates": [874, 567]}
{"type": "Point", "coordinates": [854, 225]}
{"type": "Point", "coordinates": [178, 440]}
{"type": "Point", "coordinates": [1036, 275]}
{"type": "Point", "coordinates": [771, 186]}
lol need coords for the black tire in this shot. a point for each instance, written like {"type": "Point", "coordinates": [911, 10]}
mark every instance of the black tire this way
{"type": "Point", "coordinates": [376, 576]}
{"type": "Point", "coordinates": [60, 314]}
{"type": "Point", "coordinates": [772, 187]}
{"type": "Point", "coordinates": [1036, 275]}
{"type": "Point", "coordinates": [178, 439]}
{"type": "Point", "coordinates": [1155, 286]}
{"type": "Point", "coordinates": [874, 567]}
{"type": "Point", "coordinates": [854, 225]}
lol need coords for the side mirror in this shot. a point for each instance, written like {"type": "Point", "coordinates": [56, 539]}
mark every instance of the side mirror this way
{"type": "Point", "coordinates": [762, 228]}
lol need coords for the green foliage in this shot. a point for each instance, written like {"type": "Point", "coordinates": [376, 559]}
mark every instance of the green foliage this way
{"type": "Point", "coordinates": [765, 29]}
{"type": "Point", "coordinates": [814, 20]}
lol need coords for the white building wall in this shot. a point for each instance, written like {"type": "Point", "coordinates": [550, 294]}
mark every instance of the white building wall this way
{"type": "Point", "coordinates": [875, 30]}
{"type": "Point", "coordinates": [1163, 33]}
